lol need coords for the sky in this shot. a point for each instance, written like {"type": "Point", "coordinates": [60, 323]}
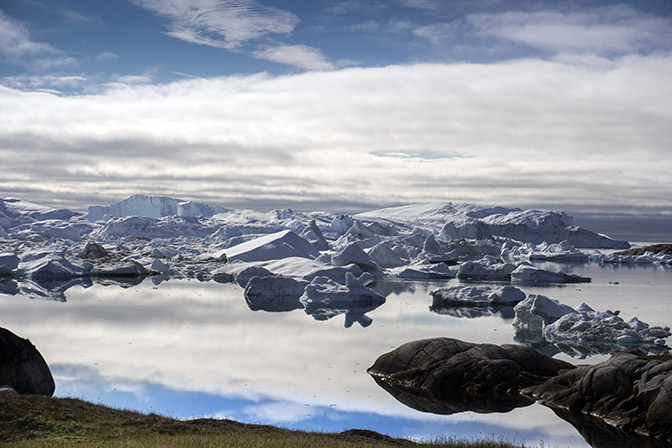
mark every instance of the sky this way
{"type": "Point", "coordinates": [340, 105]}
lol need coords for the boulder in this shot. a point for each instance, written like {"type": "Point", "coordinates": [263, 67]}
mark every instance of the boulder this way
{"type": "Point", "coordinates": [630, 392]}
{"type": "Point", "coordinates": [93, 251]}
{"type": "Point", "coordinates": [22, 367]}
{"type": "Point", "coordinates": [457, 376]}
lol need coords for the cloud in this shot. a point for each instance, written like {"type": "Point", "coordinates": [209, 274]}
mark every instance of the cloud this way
{"type": "Point", "coordinates": [107, 56]}
{"type": "Point", "coordinates": [526, 131]}
{"type": "Point", "coordinates": [227, 24]}
{"type": "Point", "coordinates": [613, 29]}
{"type": "Point", "coordinates": [18, 48]}
{"type": "Point", "coordinates": [437, 33]}
{"type": "Point", "coordinates": [300, 56]}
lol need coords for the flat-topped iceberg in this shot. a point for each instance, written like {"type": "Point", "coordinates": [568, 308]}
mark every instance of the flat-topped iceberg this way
{"type": "Point", "coordinates": [465, 295]}
{"type": "Point", "coordinates": [152, 207]}
{"type": "Point", "coordinates": [528, 274]}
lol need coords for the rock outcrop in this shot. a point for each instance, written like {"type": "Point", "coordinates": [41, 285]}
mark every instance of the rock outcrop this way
{"type": "Point", "coordinates": [629, 392]}
{"type": "Point", "coordinates": [455, 376]}
{"type": "Point", "coordinates": [22, 367]}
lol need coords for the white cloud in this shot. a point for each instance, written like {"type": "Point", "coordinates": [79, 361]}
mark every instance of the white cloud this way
{"type": "Point", "coordinates": [300, 56]}
{"type": "Point", "coordinates": [437, 33]}
{"type": "Point", "coordinates": [580, 131]}
{"type": "Point", "coordinates": [281, 412]}
{"type": "Point", "coordinates": [107, 56]}
{"type": "Point", "coordinates": [615, 29]}
{"type": "Point", "coordinates": [18, 48]}
{"type": "Point", "coordinates": [220, 23]}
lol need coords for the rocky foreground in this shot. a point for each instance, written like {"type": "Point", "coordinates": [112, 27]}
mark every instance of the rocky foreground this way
{"type": "Point", "coordinates": [624, 401]}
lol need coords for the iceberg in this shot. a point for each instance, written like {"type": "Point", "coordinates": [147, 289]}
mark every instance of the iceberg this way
{"type": "Point", "coordinates": [460, 296]}
{"type": "Point", "coordinates": [272, 247]}
{"type": "Point", "coordinates": [527, 274]}
{"type": "Point", "coordinates": [324, 298]}
{"type": "Point", "coordinates": [274, 293]}
{"type": "Point", "coordinates": [487, 268]}
{"type": "Point", "coordinates": [152, 207]}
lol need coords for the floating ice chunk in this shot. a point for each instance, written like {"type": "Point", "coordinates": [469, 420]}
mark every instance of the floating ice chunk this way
{"type": "Point", "coordinates": [434, 253]}
{"type": "Point", "coordinates": [594, 327]}
{"type": "Point", "coordinates": [274, 293]}
{"type": "Point", "coordinates": [8, 263]}
{"type": "Point", "coordinates": [323, 299]}
{"type": "Point", "coordinates": [353, 254]}
{"type": "Point", "coordinates": [460, 296]}
{"type": "Point", "coordinates": [159, 266]}
{"type": "Point", "coordinates": [548, 309]}
{"type": "Point", "coordinates": [246, 274]}
{"type": "Point", "coordinates": [558, 252]}
{"type": "Point", "coordinates": [46, 264]}
{"type": "Point", "coordinates": [487, 268]}
{"type": "Point", "coordinates": [424, 271]}
{"type": "Point", "coordinates": [313, 234]}
{"type": "Point", "coordinates": [384, 256]}
{"type": "Point", "coordinates": [222, 275]}
{"type": "Point", "coordinates": [272, 247]}
{"type": "Point", "coordinates": [531, 275]}
{"type": "Point", "coordinates": [339, 225]}
{"type": "Point", "coordinates": [3, 233]}
{"type": "Point", "coordinates": [124, 268]}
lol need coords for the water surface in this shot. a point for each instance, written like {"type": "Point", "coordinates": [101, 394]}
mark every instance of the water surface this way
{"type": "Point", "coordinates": [188, 349]}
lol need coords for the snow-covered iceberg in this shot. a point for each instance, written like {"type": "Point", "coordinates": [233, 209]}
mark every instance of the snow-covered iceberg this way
{"type": "Point", "coordinates": [531, 275]}
{"type": "Point", "coordinates": [465, 295]}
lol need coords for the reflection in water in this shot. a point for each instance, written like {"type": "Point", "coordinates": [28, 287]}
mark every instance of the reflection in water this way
{"type": "Point", "coordinates": [354, 310]}
{"type": "Point", "coordinates": [42, 289]}
{"type": "Point", "coordinates": [601, 435]}
{"type": "Point", "coordinates": [187, 349]}
{"type": "Point", "coordinates": [472, 312]}
{"type": "Point", "coordinates": [452, 402]}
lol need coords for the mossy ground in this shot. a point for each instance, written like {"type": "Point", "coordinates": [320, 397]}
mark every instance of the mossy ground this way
{"type": "Point", "coordinates": [40, 422]}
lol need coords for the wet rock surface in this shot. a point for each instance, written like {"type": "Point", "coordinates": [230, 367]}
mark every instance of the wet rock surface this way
{"type": "Point", "coordinates": [445, 375]}
{"type": "Point", "coordinates": [630, 392]}
{"type": "Point", "coordinates": [22, 368]}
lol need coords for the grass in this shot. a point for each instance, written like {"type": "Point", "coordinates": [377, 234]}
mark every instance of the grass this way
{"type": "Point", "coordinates": [30, 421]}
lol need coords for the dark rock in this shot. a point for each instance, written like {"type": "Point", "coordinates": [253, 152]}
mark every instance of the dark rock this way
{"type": "Point", "coordinates": [450, 375]}
{"type": "Point", "coordinates": [630, 392]}
{"type": "Point", "coordinates": [93, 251]}
{"type": "Point", "coordinates": [659, 249]}
{"type": "Point", "coordinates": [22, 367]}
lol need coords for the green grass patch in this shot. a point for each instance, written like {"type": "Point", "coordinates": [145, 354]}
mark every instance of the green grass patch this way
{"type": "Point", "coordinates": [41, 422]}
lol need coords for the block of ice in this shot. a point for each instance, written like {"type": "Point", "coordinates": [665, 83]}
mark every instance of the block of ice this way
{"type": "Point", "coordinates": [383, 255]}
{"type": "Point", "coordinates": [274, 293]}
{"type": "Point", "coordinates": [8, 264]}
{"type": "Point", "coordinates": [487, 268]}
{"type": "Point", "coordinates": [353, 254]}
{"type": "Point", "coordinates": [526, 274]}
{"type": "Point", "coordinates": [272, 247]}
{"type": "Point", "coordinates": [460, 296]}
{"type": "Point", "coordinates": [46, 265]}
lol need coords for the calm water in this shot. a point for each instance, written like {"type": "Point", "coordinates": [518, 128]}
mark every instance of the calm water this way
{"type": "Point", "coordinates": [190, 349]}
